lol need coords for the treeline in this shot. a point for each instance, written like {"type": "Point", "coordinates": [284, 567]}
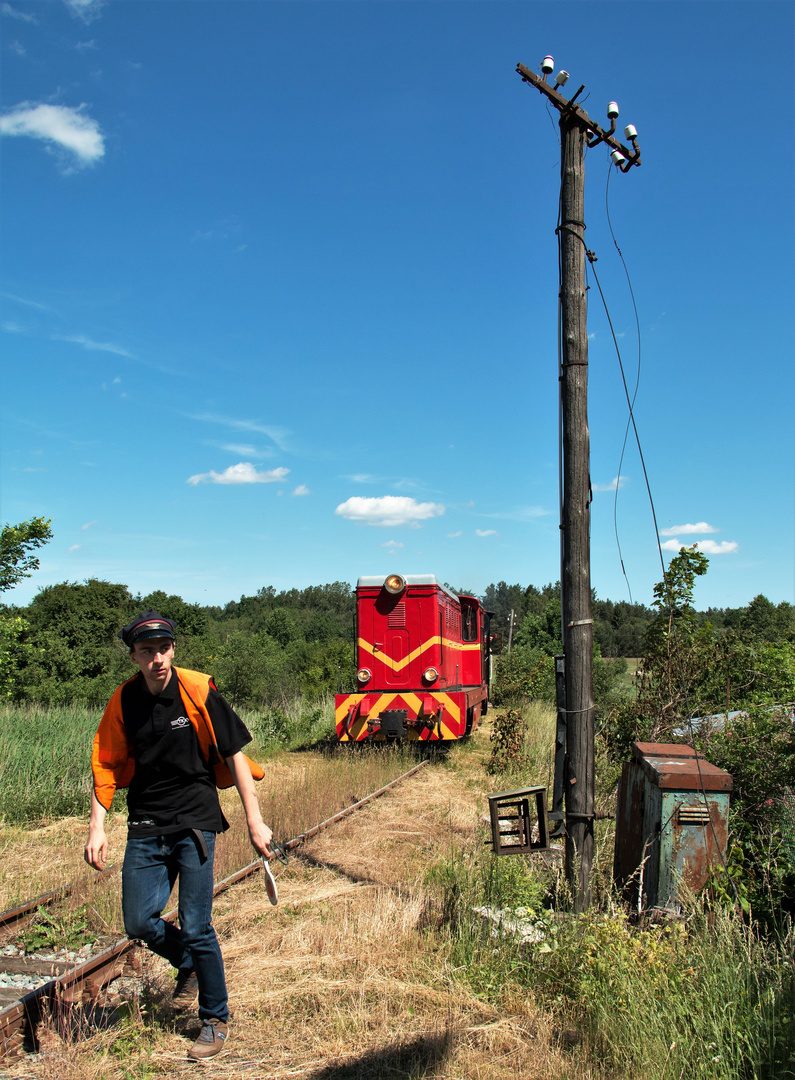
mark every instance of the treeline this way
{"type": "Point", "coordinates": [690, 664]}
{"type": "Point", "coordinates": [620, 629]}
{"type": "Point", "coordinates": [265, 649]}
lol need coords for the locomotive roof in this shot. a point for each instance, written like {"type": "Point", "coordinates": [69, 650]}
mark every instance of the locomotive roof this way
{"type": "Point", "coordinates": [377, 581]}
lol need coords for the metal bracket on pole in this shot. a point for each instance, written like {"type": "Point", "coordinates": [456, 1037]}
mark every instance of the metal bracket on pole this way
{"type": "Point", "coordinates": [595, 132]}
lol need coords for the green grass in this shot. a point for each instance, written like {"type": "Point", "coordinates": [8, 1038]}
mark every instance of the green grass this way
{"type": "Point", "coordinates": [292, 726]}
{"type": "Point", "coordinates": [706, 998]}
{"type": "Point", "coordinates": [45, 761]}
{"type": "Point", "coordinates": [45, 752]}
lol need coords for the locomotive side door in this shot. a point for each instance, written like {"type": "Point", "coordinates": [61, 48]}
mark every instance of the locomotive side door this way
{"type": "Point", "coordinates": [392, 639]}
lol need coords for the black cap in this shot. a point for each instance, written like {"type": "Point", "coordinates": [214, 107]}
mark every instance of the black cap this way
{"type": "Point", "coordinates": [148, 625]}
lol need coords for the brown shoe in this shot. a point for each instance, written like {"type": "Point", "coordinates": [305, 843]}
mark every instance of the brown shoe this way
{"type": "Point", "coordinates": [186, 990]}
{"type": "Point", "coordinates": [211, 1041]}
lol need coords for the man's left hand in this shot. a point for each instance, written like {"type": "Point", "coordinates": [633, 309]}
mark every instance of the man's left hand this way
{"type": "Point", "coordinates": [261, 837]}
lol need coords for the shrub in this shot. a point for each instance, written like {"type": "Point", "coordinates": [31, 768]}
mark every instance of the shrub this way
{"type": "Point", "coordinates": [758, 749]}
{"type": "Point", "coordinates": [524, 674]}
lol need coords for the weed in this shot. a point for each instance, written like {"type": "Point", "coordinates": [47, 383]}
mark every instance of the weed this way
{"type": "Point", "coordinates": [712, 999]}
{"type": "Point", "coordinates": [64, 929]}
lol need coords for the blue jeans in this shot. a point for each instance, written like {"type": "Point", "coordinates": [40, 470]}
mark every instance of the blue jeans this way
{"type": "Point", "coordinates": [151, 866]}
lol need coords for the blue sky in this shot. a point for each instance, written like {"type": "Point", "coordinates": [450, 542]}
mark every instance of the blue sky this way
{"type": "Point", "coordinates": [278, 293]}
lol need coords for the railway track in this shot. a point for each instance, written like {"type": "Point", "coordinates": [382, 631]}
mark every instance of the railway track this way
{"type": "Point", "coordinates": [71, 984]}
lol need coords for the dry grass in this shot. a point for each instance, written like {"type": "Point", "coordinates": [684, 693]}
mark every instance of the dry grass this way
{"type": "Point", "coordinates": [34, 861]}
{"type": "Point", "coordinates": [298, 791]}
{"type": "Point", "coordinates": [345, 979]}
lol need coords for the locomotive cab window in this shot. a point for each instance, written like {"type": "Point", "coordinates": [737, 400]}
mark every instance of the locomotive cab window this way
{"type": "Point", "coordinates": [469, 624]}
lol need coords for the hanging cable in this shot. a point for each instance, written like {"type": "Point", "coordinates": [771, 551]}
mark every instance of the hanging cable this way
{"type": "Point", "coordinates": [637, 384]}
{"type": "Point", "coordinates": [671, 609]}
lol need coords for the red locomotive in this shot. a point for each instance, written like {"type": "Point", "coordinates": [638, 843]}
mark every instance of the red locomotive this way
{"type": "Point", "coordinates": [423, 663]}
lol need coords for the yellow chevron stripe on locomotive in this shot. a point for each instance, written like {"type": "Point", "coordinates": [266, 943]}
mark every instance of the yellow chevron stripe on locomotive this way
{"type": "Point", "coordinates": [398, 665]}
{"type": "Point", "coordinates": [430, 716]}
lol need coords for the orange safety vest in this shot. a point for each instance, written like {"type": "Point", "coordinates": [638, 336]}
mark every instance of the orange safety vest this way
{"type": "Point", "coordinates": [112, 762]}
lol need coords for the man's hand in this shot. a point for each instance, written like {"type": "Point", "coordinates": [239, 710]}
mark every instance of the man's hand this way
{"type": "Point", "coordinates": [261, 837]}
{"type": "Point", "coordinates": [96, 852]}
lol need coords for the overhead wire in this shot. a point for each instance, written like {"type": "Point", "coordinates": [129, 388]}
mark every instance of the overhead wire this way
{"type": "Point", "coordinates": [637, 382]}
{"type": "Point", "coordinates": [631, 422]}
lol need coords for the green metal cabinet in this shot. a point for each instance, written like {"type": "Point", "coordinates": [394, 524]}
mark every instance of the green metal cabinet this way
{"type": "Point", "coordinates": [671, 823]}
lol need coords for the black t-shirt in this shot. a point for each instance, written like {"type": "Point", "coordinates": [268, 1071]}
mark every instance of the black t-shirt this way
{"type": "Point", "coordinates": [174, 787]}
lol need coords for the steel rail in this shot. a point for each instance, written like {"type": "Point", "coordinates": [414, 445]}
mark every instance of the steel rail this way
{"type": "Point", "coordinates": [294, 843]}
{"type": "Point", "coordinates": [13, 918]}
{"type": "Point", "coordinates": [84, 982]}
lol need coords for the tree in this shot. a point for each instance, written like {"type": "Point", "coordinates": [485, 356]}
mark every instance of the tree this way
{"type": "Point", "coordinates": [72, 649]}
{"type": "Point", "coordinates": [763, 619]}
{"type": "Point", "coordinates": [689, 670]}
{"type": "Point", "coordinates": [542, 631]}
{"type": "Point", "coordinates": [16, 543]}
{"type": "Point", "coordinates": [191, 619]}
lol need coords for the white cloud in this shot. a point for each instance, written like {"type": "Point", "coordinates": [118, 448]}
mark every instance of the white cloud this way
{"type": "Point", "coordinates": [93, 346]}
{"type": "Point", "coordinates": [521, 513]}
{"type": "Point", "coordinates": [712, 547]}
{"type": "Point", "coordinates": [302, 489]}
{"type": "Point", "coordinates": [18, 48]}
{"type": "Point", "coordinates": [277, 434]}
{"type": "Point", "coordinates": [707, 547]}
{"type": "Point", "coordinates": [486, 532]}
{"type": "Point", "coordinates": [242, 473]}
{"type": "Point", "coordinates": [616, 483]}
{"type": "Point", "coordinates": [12, 12]}
{"type": "Point", "coordinates": [67, 129]}
{"type": "Point", "coordinates": [74, 547]}
{"type": "Point", "coordinates": [240, 448]}
{"type": "Point", "coordinates": [688, 530]}
{"type": "Point", "coordinates": [393, 544]}
{"type": "Point", "coordinates": [452, 536]}
{"type": "Point", "coordinates": [399, 483]}
{"type": "Point", "coordinates": [87, 10]}
{"type": "Point", "coordinates": [88, 525]}
{"type": "Point", "coordinates": [388, 510]}
{"type": "Point", "coordinates": [27, 303]}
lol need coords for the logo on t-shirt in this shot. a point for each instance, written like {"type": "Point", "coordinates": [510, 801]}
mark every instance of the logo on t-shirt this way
{"type": "Point", "coordinates": [180, 722]}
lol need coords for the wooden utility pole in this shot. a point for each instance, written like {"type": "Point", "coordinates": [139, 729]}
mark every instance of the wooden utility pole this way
{"type": "Point", "coordinates": [575, 581]}
{"type": "Point", "coordinates": [577, 741]}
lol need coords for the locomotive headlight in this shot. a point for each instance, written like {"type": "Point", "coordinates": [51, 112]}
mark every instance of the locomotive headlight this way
{"type": "Point", "coordinates": [395, 584]}
{"type": "Point", "coordinates": [430, 674]}
{"type": "Point", "coordinates": [363, 674]}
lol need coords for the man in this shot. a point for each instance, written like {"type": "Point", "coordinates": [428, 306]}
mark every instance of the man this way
{"type": "Point", "coordinates": [169, 736]}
